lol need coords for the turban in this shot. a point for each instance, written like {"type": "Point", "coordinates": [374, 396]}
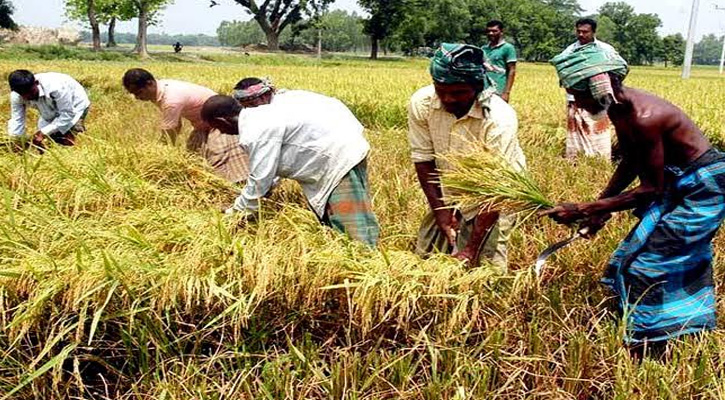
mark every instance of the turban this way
{"type": "Point", "coordinates": [254, 91]}
{"type": "Point", "coordinates": [588, 67]}
{"type": "Point", "coordinates": [457, 63]}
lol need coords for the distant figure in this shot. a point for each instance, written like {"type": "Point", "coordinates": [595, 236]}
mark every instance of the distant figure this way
{"type": "Point", "coordinates": [312, 139]}
{"type": "Point", "coordinates": [587, 134]}
{"type": "Point", "coordinates": [61, 101]}
{"type": "Point", "coordinates": [178, 100]}
{"type": "Point", "coordinates": [178, 47]}
{"type": "Point", "coordinates": [500, 59]}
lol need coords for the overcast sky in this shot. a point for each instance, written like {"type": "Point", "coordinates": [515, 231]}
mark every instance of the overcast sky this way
{"type": "Point", "coordinates": [195, 16]}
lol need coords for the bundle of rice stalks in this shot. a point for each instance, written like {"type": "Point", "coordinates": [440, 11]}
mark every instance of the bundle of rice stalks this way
{"type": "Point", "coordinates": [486, 180]}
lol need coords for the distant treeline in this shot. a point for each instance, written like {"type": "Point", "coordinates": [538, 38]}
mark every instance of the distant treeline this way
{"type": "Point", "coordinates": [159, 38]}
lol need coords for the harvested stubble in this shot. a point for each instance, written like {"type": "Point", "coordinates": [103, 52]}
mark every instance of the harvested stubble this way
{"type": "Point", "coordinates": [120, 279]}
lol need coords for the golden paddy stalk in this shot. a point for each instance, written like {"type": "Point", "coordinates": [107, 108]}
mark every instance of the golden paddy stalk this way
{"type": "Point", "coordinates": [119, 278]}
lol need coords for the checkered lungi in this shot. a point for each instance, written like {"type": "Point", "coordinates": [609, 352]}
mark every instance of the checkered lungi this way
{"type": "Point", "coordinates": [223, 152]}
{"type": "Point", "coordinates": [662, 272]}
{"type": "Point", "coordinates": [587, 136]}
{"type": "Point", "coordinates": [349, 209]}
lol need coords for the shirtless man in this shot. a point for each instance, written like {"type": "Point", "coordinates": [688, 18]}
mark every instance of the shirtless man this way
{"type": "Point", "coordinates": [662, 271]}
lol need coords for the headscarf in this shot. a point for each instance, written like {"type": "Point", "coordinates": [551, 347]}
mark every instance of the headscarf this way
{"type": "Point", "coordinates": [457, 63]}
{"type": "Point", "coordinates": [588, 67]}
{"type": "Point", "coordinates": [254, 91]}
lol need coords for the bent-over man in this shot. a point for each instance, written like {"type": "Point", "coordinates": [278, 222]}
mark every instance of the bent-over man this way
{"type": "Point", "coordinates": [662, 272]}
{"type": "Point", "coordinates": [61, 101]}
{"type": "Point", "coordinates": [312, 139]}
{"type": "Point", "coordinates": [177, 100]}
{"type": "Point", "coordinates": [447, 117]}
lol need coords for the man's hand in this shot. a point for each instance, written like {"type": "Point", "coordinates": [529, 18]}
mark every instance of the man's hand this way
{"type": "Point", "coordinates": [505, 96]}
{"type": "Point", "coordinates": [447, 223]}
{"type": "Point", "coordinates": [37, 140]}
{"type": "Point", "coordinates": [594, 224]}
{"type": "Point", "coordinates": [564, 213]}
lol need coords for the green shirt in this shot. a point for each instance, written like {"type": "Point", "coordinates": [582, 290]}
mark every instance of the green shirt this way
{"type": "Point", "coordinates": [496, 59]}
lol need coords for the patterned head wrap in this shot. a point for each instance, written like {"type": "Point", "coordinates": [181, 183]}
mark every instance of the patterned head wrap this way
{"type": "Point", "coordinates": [588, 67]}
{"type": "Point", "coordinates": [457, 63]}
{"type": "Point", "coordinates": [254, 91]}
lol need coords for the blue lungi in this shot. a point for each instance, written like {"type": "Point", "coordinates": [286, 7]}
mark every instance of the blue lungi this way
{"type": "Point", "coordinates": [662, 271]}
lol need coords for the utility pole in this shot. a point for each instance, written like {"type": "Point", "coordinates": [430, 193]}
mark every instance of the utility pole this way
{"type": "Point", "coordinates": [722, 55]}
{"type": "Point", "coordinates": [687, 65]}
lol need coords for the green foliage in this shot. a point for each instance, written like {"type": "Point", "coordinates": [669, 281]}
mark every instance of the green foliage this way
{"type": "Point", "coordinates": [58, 52]}
{"type": "Point", "coordinates": [708, 50]}
{"type": "Point", "coordinates": [385, 17]}
{"type": "Point", "coordinates": [159, 38]}
{"type": "Point", "coordinates": [633, 35]}
{"type": "Point", "coordinates": [6, 15]}
{"type": "Point", "coordinates": [673, 49]}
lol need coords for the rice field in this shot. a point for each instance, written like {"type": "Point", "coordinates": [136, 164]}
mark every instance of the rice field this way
{"type": "Point", "coordinates": [120, 278]}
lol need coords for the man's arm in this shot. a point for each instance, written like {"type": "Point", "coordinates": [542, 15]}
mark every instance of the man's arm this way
{"type": "Point", "coordinates": [66, 114]}
{"type": "Point", "coordinates": [651, 177]}
{"type": "Point", "coordinates": [510, 78]}
{"type": "Point", "coordinates": [428, 179]}
{"type": "Point", "coordinates": [264, 155]}
{"type": "Point", "coordinates": [16, 123]}
{"type": "Point", "coordinates": [170, 122]}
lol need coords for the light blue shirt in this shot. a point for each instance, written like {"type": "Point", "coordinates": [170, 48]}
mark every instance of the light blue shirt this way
{"type": "Point", "coordinates": [61, 103]}
{"type": "Point", "coordinates": [310, 138]}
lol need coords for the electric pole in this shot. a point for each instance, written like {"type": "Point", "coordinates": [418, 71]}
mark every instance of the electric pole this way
{"type": "Point", "coordinates": [722, 55]}
{"type": "Point", "coordinates": [687, 65]}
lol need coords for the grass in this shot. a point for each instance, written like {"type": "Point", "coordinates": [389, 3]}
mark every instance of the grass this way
{"type": "Point", "coordinates": [119, 278]}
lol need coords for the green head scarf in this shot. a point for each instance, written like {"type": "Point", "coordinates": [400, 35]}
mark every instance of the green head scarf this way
{"type": "Point", "coordinates": [576, 67]}
{"type": "Point", "coordinates": [457, 63]}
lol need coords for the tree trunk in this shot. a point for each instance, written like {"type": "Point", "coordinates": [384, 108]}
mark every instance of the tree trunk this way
{"type": "Point", "coordinates": [95, 30]}
{"type": "Point", "coordinates": [141, 47]}
{"type": "Point", "coordinates": [112, 33]}
{"type": "Point", "coordinates": [319, 43]}
{"type": "Point", "coordinates": [374, 48]}
{"type": "Point", "coordinates": [272, 40]}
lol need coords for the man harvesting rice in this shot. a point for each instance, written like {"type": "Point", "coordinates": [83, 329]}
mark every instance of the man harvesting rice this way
{"type": "Point", "coordinates": [448, 117]}
{"type": "Point", "coordinates": [662, 271]}
{"type": "Point", "coordinates": [60, 100]}
{"type": "Point", "coordinates": [312, 139]}
{"type": "Point", "coordinates": [177, 100]}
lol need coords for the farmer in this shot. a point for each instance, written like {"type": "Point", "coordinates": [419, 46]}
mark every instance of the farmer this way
{"type": "Point", "coordinates": [61, 101]}
{"type": "Point", "coordinates": [662, 272]}
{"type": "Point", "coordinates": [253, 92]}
{"type": "Point", "coordinates": [500, 59]}
{"type": "Point", "coordinates": [178, 100]}
{"type": "Point", "coordinates": [312, 139]}
{"type": "Point", "coordinates": [587, 134]}
{"type": "Point", "coordinates": [447, 117]}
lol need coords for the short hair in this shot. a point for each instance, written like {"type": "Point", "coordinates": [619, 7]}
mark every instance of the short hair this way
{"type": "Point", "coordinates": [587, 21]}
{"type": "Point", "coordinates": [21, 81]}
{"type": "Point", "coordinates": [137, 77]}
{"type": "Point", "coordinates": [219, 106]}
{"type": "Point", "coordinates": [495, 22]}
{"type": "Point", "coordinates": [246, 83]}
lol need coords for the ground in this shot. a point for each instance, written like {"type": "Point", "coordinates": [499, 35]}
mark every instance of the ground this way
{"type": "Point", "coordinates": [121, 279]}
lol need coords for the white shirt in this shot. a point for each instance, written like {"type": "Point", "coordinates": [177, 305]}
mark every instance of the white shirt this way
{"type": "Point", "coordinates": [310, 138]}
{"type": "Point", "coordinates": [603, 45]}
{"type": "Point", "coordinates": [61, 103]}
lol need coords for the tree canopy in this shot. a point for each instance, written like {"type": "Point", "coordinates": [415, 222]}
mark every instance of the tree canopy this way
{"type": "Point", "coordinates": [6, 15]}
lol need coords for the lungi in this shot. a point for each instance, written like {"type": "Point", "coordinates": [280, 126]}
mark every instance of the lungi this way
{"type": "Point", "coordinates": [222, 152]}
{"type": "Point", "coordinates": [587, 136]}
{"type": "Point", "coordinates": [349, 209]}
{"type": "Point", "coordinates": [493, 247]}
{"type": "Point", "coordinates": [662, 272]}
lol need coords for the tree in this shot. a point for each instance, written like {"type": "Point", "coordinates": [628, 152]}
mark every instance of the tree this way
{"type": "Point", "coordinates": [6, 12]}
{"type": "Point", "coordinates": [86, 10]}
{"type": "Point", "coordinates": [673, 49]}
{"type": "Point", "coordinates": [273, 16]}
{"type": "Point", "coordinates": [145, 11]}
{"type": "Point", "coordinates": [633, 35]}
{"type": "Point", "coordinates": [707, 50]}
{"type": "Point", "coordinates": [385, 17]}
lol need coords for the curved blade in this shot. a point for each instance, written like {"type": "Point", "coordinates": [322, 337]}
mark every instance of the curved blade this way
{"type": "Point", "coordinates": [541, 259]}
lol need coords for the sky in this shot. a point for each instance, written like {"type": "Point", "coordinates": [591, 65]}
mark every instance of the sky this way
{"type": "Point", "coordinates": [195, 16]}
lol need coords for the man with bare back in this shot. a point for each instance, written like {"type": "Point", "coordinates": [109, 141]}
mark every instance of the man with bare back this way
{"type": "Point", "coordinates": [662, 272]}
